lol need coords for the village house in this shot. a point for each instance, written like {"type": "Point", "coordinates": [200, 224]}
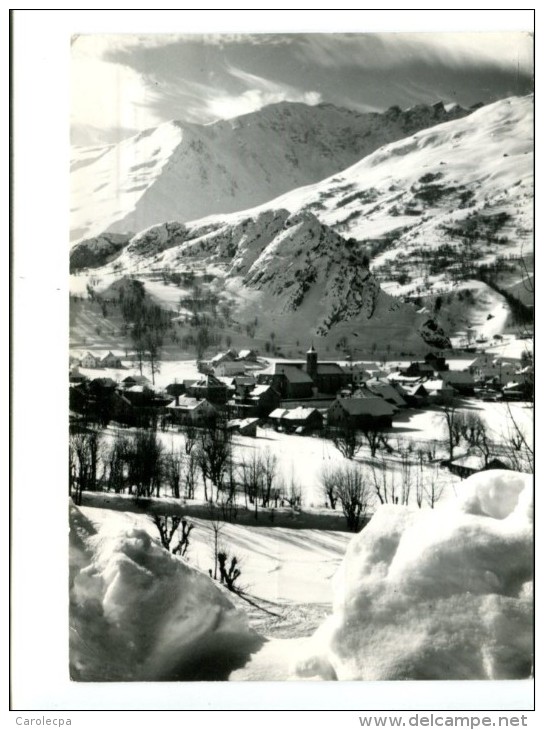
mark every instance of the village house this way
{"type": "Point", "coordinates": [300, 420]}
{"type": "Point", "coordinates": [247, 355]}
{"type": "Point", "coordinates": [415, 394]}
{"type": "Point", "coordinates": [253, 400]}
{"type": "Point", "coordinates": [461, 380]}
{"type": "Point", "coordinates": [439, 391]}
{"type": "Point", "coordinates": [418, 370]}
{"type": "Point", "coordinates": [210, 388]}
{"type": "Point", "coordinates": [111, 360]}
{"type": "Point", "coordinates": [90, 361]}
{"type": "Point", "coordinates": [244, 426]}
{"type": "Point", "coordinates": [227, 356]}
{"type": "Point", "coordinates": [227, 368]}
{"type": "Point", "coordinates": [491, 369]}
{"type": "Point", "coordinates": [437, 362]}
{"type": "Point", "coordinates": [385, 390]}
{"type": "Point", "coordinates": [131, 380]}
{"type": "Point", "coordinates": [360, 372]}
{"type": "Point", "coordinates": [361, 413]}
{"type": "Point", "coordinates": [184, 409]}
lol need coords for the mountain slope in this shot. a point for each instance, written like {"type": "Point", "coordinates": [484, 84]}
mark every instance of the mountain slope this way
{"type": "Point", "coordinates": [295, 275]}
{"type": "Point", "coordinates": [440, 203]}
{"type": "Point", "coordinates": [181, 171]}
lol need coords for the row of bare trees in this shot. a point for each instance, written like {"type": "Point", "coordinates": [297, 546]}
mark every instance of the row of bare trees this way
{"type": "Point", "coordinates": [472, 429]}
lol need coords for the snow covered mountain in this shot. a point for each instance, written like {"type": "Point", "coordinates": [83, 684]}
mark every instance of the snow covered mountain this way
{"type": "Point", "coordinates": [414, 217]}
{"type": "Point", "coordinates": [182, 171]}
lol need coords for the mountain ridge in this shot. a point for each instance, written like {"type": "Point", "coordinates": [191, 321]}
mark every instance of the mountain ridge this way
{"type": "Point", "coordinates": [185, 171]}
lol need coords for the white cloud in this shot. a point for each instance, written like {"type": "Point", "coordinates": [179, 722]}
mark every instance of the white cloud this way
{"type": "Point", "coordinates": [226, 107]}
{"type": "Point", "coordinates": [387, 50]}
{"type": "Point", "coordinates": [261, 92]}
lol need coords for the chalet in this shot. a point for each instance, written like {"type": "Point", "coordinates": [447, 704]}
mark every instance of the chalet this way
{"type": "Point", "coordinates": [228, 356]}
{"type": "Point", "coordinates": [184, 409]}
{"type": "Point", "coordinates": [131, 380]}
{"type": "Point", "coordinates": [111, 361]}
{"type": "Point", "coordinates": [244, 426]}
{"type": "Point", "coordinates": [385, 390]}
{"type": "Point", "coordinates": [293, 419]}
{"type": "Point", "coordinates": [227, 368]}
{"type": "Point", "coordinates": [461, 380]}
{"type": "Point", "coordinates": [419, 369]}
{"type": "Point", "coordinates": [254, 400]}
{"type": "Point", "coordinates": [487, 367]}
{"type": "Point", "coordinates": [90, 361]}
{"type": "Point", "coordinates": [247, 355]}
{"type": "Point", "coordinates": [438, 391]}
{"type": "Point", "coordinates": [363, 413]}
{"type": "Point", "coordinates": [210, 388]}
{"type": "Point", "coordinates": [437, 362]}
{"type": "Point", "coordinates": [415, 394]}
{"type": "Point", "coordinates": [360, 372]}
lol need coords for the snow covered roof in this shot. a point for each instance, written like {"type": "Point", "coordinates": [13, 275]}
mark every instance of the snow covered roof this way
{"type": "Point", "coordinates": [385, 390]}
{"type": "Point", "coordinates": [291, 372]}
{"type": "Point", "coordinates": [278, 413]}
{"type": "Point", "coordinates": [300, 413]}
{"type": "Point", "coordinates": [436, 385]}
{"type": "Point", "coordinates": [375, 406]}
{"type": "Point", "coordinates": [187, 404]}
{"type": "Point", "coordinates": [259, 390]}
{"type": "Point", "coordinates": [246, 353]}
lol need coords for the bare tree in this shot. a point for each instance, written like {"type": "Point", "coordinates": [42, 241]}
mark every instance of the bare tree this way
{"type": "Point", "coordinates": [168, 526]}
{"type": "Point", "coordinates": [453, 425]}
{"type": "Point", "coordinates": [294, 492]}
{"type": "Point", "coordinates": [433, 490]}
{"type": "Point", "coordinates": [329, 483]}
{"type": "Point", "coordinates": [384, 482]}
{"type": "Point", "coordinates": [354, 494]}
{"type": "Point", "coordinates": [269, 467]}
{"type": "Point", "coordinates": [251, 473]}
{"type": "Point", "coordinates": [229, 571]}
{"type": "Point", "coordinates": [145, 463]}
{"type": "Point", "coordinates": [190, 433]}
{"type": "Point", "coordinates": [83, 454]}
{"type": "Point", "coordinates": [346, 439]}
{"type": "Point", "coordinates": [116, 463]}
{"type": "Point", "coordinates": [406, 477]}
{"type": "Point", "coordinates": [190, 471]}
{"type": "Point", "coordinates": [173, 471]}
{"type": "Point", "coordinates": [214, 452]}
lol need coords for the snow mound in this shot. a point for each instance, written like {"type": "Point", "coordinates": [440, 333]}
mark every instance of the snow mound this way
{"type": "Point", "coordinates": [435, 594]}
{"type": "Point", "coordinates": [139, 613]}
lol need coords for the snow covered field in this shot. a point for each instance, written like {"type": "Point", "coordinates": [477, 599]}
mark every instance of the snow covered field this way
{"type": "Point", "coordinates": [420, 594]}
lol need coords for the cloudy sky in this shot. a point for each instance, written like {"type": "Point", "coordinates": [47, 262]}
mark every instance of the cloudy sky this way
{"type": "Point", "coordinates": [122, 84]}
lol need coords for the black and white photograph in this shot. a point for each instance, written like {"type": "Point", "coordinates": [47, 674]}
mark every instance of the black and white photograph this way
{"type": "Point", "coordinates": [300, 381]}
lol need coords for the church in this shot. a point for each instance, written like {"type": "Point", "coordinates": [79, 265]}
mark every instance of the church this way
{"type": "Point", "coordinates": [304, 379]}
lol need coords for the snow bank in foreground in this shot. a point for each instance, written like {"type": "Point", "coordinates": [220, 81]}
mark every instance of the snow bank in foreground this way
{"type": "Point", "coordinates": [436, 594]}
{"type": "Point", "coordinates": [139, 613]}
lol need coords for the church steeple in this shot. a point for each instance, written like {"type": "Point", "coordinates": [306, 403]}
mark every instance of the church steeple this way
{"type": "Point", "coordinates": [311, 362]}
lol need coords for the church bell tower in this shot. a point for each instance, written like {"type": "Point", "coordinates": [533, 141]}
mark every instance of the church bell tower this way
{"type": "Point", "coordinates": [311, 363]}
